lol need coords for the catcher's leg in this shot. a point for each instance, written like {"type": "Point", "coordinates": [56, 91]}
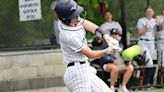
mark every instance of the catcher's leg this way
{"type": "Point", "coordinates": [113, 70]}
{"type": "Point", "coordinates": [127, 74]}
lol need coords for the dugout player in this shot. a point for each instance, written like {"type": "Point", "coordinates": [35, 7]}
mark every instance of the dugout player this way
{"type": "Point", "coordinates": [78, 76]}
{"type": "Point", "coordinates": [110, 24]}
{"type": "Point", "coordinates": [114, 64]}
{"type": "Point", "coordinates": [160, 39]}
{"type": "Point", "coordinates": [146, 30]}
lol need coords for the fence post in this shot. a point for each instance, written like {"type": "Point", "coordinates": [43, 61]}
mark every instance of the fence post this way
{"type": "Point", "coordinates": [123, 23]}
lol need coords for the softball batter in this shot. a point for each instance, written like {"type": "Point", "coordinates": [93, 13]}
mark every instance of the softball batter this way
{"type": "Point", "coordinates": [78, 76]}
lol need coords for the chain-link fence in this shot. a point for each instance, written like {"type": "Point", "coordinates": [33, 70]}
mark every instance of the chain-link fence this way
{"type": "Point", "coordinates": [24, 35]}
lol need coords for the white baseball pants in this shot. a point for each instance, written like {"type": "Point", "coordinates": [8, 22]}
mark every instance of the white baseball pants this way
{"type": "Point", "coordinates": [80, 78]}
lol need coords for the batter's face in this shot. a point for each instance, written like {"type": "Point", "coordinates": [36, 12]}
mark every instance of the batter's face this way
{"type": "Point", "coordinates": [149, 12]}
{"type": "Point", "coordinates": [108, 16]}
{"type": "Point", "coordinates": [163, 12]}
{"type": "Point", "coordinates": [75, 21]}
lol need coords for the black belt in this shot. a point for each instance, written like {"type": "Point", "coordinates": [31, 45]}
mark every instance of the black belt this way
{"type": "Point", "coordinates": [145, 39]}
{"type": "Point", "coordinates": [73, 63]}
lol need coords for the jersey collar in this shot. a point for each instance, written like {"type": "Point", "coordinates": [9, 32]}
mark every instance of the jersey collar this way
{"type": "Point", "coordinates": [69, 28]}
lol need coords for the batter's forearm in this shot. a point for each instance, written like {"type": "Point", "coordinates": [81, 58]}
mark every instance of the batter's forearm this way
{"type": "Point", "coordinates": [89, 26]}
{"type": "Point", "coordinates": [97, 53]}
{"type": "Point", "coordinates": [92, 53]}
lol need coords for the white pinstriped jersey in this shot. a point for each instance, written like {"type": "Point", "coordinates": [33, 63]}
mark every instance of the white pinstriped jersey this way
{"type": "Point", "coordinates": [149, 34]}
{"type": "Point", "coordinates": [147, 46]}
{"type": "Point", "coordinates": [79, 77]}
{"type": "Point", "coordinates": [108, 26]}
{"type": "Point", "coordinates": [161, 32]}
{"type": "Point", "coordinates": [56, 31]}
{"type": "Point", "coordinates": [72, 40]}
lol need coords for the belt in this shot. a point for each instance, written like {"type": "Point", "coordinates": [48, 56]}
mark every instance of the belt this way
{"type": "Point", "coordinates": [73, 63]}
{"type": "Point", "coordinates": [145, 39]}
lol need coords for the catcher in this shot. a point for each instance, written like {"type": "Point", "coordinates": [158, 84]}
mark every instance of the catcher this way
{"type": "Point", "coordinates": [114, 64]}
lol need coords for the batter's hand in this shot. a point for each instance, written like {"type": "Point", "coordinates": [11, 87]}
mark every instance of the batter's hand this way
{"type": "Point", "coordinates": [112, 43]}
{"type": "Point", "coordinates": [110, 50]}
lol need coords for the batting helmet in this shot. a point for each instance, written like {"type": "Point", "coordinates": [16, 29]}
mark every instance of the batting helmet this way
{"type": "Point", "coordinates": [67, 9]}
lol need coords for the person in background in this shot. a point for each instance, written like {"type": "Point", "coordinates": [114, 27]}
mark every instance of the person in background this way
{"type": "Point", "coordinates": [115, 65]}
{"type": "Point", "coordinates": [160, 38]}
{"type": "Point", "coordinates": [146, 29]}
{"type": "Point", "coordinates": [110, 23]}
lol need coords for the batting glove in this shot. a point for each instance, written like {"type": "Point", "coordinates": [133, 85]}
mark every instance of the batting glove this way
{"type": "Point", "coordinates": [110, 50]}
{"type": "Point", "coordinates": [117, 49]}
{"type": "Point", "coordinates": [112, 43]}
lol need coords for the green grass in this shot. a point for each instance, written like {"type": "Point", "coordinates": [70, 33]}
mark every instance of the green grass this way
{"type": "Point", "coordinates": [153, 90]}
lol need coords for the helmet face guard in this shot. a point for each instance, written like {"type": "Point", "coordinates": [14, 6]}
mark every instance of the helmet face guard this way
{"type": "Point", "coordinates": [68, 9]}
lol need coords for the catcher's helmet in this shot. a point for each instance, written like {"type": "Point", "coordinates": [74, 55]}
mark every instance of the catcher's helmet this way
{"type": "Point", "coordinates": [67, 9]}
{"type": "Point", "coordinates": [114, 31]}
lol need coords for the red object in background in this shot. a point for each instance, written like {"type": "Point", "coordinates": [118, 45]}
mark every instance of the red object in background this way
{"type": "Point", "coordinates": [161, 79]}
{"type": "Point", "coordinates": [103, 8]}
{"type": "Point", "coordinates": [141, 80]}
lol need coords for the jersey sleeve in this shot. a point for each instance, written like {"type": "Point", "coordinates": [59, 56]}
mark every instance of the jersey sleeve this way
{"type": "Point", "coordinates": [75, 43]}
{"type": "Point", "coordinates": [56, 30]}
{"type": "Point", "coordinates": [55, 24]}
{"type": "Point", "coordinates": [140, 24]}
{"type": "Point", "coordinates": [103, 27]}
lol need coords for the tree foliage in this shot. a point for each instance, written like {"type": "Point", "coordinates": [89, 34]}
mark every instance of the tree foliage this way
{"type": "Point", "coordinates": [134, 10]}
